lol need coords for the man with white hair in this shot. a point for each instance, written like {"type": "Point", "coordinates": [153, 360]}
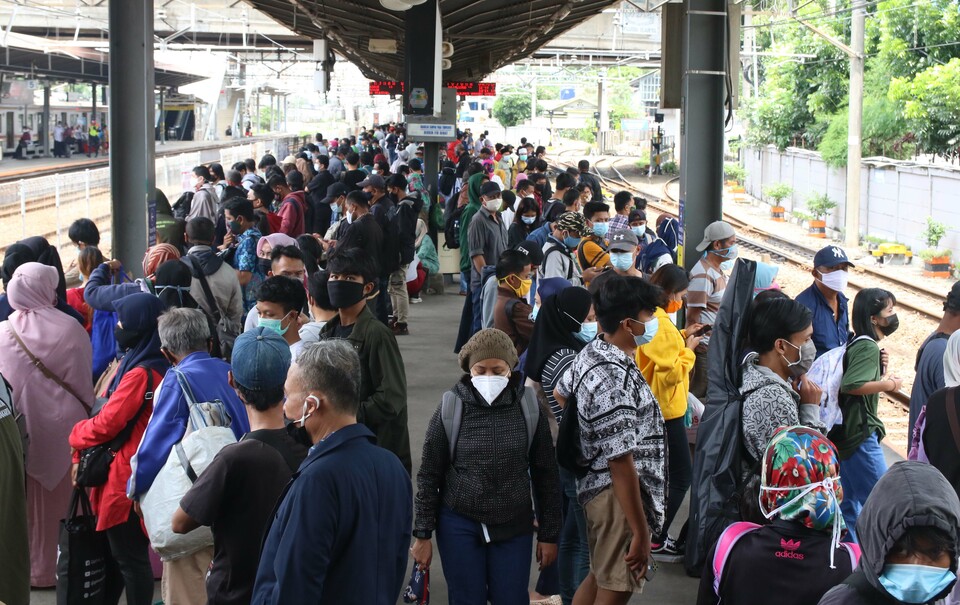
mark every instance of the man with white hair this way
{"type": "Point", "coordinates": [341, 531]}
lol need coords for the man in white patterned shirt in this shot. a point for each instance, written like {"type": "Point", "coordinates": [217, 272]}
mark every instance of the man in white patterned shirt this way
{"type": "Point", "coordinates": [622, 437]}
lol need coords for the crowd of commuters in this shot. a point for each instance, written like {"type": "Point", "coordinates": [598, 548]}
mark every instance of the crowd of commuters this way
{"type": "Point", "coordinates": [252, 379]}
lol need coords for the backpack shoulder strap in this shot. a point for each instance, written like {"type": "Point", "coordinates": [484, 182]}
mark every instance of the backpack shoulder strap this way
{"type": "Point", "coordinates": [451, 414]}
{"type": "Point", "coordinates": [854, 551]}
{"type": "Point", "coordinates": [508, 308]}
{"type": "Point", "coordinates": [531, 414]}
{"type": "Point", "coordinates": [185, 387]}
{"type": "Point", "coordinates": [207, 293]}
{"type": "Point", "coordinates": [725, 543]}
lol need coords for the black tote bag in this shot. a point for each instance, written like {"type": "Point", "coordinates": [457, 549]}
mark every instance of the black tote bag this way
{"type": "Point", "coordinates": [83, 555]}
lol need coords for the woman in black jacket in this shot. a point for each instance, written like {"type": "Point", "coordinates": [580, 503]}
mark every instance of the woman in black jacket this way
{"type": "Point", "coordinates": [526, 219]}
{"type": "Point", "coordinates": [475, 491]}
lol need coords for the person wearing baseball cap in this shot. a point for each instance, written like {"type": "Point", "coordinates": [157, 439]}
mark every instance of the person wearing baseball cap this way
{"type": "Point", "coordinates": [624, 249]}
{"type": "Point", "coordinates": [826, 300]}
{"type": "Point", "coordinates": [558, 261]}
{"type": "Point", "coordinates": [236, 493]}
{"type": "Point", "coordinates": [708, 281]}
{"type": "Point", "coordinates": [389, 258]}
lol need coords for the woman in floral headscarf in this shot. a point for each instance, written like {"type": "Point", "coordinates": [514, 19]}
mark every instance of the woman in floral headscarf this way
{"type": "Point", "coordinates": [798, 557]}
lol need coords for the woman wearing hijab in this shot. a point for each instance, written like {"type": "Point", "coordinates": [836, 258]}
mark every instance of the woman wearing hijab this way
{"type": "Point", "coordinates": [477, 494]}
{"type": "Point", "coordinates": [663, 250]}
{"type": "Point", "coordinates": [34, 250]}
{"type": "Point", "coordinates": [156, 256]}
{"type": "Point", "coordinates": [267, 243]}
{"type": "Point", "coordinates": [141, 369]}
{"type": "Point", "coordinates": [51, 404]}
{"type": "Point", "coordinates": [565, 323]}
{"type": "Point", "coordinates": [798, 557]}
{"type": "Point", "coordinates": [447, 181]}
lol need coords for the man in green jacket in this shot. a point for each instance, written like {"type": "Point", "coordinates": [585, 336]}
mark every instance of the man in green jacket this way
{"type": "Point", "coordinates": [472, 298]}
{"type": "Point", "coordinates": [383, 388]}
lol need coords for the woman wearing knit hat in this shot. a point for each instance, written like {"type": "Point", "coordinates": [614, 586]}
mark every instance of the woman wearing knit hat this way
{"type": "Point", "coordinates": [485, 444]}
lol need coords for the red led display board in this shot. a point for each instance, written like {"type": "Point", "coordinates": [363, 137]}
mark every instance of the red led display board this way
{"type": "Point", "coordinates": [466, 89]}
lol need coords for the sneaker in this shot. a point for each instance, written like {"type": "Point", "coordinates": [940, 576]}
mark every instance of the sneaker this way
{"type": "Point", "coordinates": [415, 300]}
{"type": "Point", "coordinates": [667, 552]}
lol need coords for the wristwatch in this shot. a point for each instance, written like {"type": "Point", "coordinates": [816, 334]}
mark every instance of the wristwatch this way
{"type": "Point", "coordinates": [422, 534]}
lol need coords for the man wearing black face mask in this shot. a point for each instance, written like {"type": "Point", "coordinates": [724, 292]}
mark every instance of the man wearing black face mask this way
{"type": "Point", "coordinates": [383, 388]}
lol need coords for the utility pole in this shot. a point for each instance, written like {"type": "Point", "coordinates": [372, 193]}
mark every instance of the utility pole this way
{"type": "Point", "coordinates": [854, 126]}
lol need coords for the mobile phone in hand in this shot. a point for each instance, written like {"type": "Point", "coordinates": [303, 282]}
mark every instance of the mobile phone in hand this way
{"type": "Point", "coordinates": [703, 330]}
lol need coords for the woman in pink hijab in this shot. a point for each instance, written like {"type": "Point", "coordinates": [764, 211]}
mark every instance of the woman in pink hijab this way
{"type": "Point", "coordinates": [267, 243]}
{"type": "Point", "coordinates": [156, 256]}
{"type": "Point", "coordinates": [50, 406]}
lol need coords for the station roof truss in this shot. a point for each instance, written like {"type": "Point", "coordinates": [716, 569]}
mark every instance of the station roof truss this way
{"type": "Point", "coordinates": [486, 34]}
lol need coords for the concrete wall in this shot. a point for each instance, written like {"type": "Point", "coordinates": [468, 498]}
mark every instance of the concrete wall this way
{"type": "Point", "coordinates": [895, 197]}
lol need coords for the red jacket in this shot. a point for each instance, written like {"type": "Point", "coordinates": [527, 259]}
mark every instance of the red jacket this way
{"type": "Point", "coordinates": [110, 501]}
{"type": "Point", "coordinates": [292, 213]}
{"type": "Point", "coordinates": [452, 151]}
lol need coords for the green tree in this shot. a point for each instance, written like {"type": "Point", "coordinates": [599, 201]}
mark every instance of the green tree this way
{"type": "Point", "coordinates": [931, 106]}
{"type": "Point", "coordinates": [511, 109]}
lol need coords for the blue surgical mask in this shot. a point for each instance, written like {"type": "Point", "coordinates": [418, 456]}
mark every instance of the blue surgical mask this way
{"type": "Point", "coordinates": [650, 329]}
{"type": "Point", "coordinates": [273, 324]}
{"type": "Point", "coordinates": [528, 220]}
{"type": "Point", "coordinates": [638, 231]}
{"type": "Point", "coordinates": [915, 583]}
{"type": "Point", "coordinates": [727, 265]}
{"type": "Point", "coordinates": [571, 242]}
{"type": "Point", "coordinates": [622, 261]}
{"type": "Point", "coordinates": [601, 229]}
{"type": "Point", "coordinates": [731, 253]}
{"type": "Point", "coordinates": [588, 331]}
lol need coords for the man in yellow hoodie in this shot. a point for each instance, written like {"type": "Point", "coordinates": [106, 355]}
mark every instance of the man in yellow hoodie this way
{"type": "Point", "coordinates": [665, 363]}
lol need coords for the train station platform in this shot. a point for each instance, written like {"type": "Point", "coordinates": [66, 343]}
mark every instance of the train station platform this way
{"type": "Point", "coordinates": [431, 368]}
{"type": "Point", "coordinates": [12, 169]}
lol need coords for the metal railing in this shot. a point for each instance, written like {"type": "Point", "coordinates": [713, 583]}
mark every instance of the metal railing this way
{"type": "Point", "coordinates": [47, 205]}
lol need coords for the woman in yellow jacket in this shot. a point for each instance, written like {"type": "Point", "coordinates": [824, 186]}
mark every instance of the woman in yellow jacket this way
{"type": "Point", "coordinates": [666, 362]}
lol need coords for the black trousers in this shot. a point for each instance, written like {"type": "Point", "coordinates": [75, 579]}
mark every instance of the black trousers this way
{"type": "Point", "coordinates": [131, 553]}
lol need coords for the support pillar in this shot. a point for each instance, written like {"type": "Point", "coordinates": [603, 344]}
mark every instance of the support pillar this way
{"type": "Point", "coordinates": [132, 170]}
{"type": "Point", "coordinates": [702, 112]}
{"type": "Point", "coordinates": [45, 125]}
{"type": "Point", "coordinates": [162, 121]}
{"type": "Point", "coordinates": [93, 111]}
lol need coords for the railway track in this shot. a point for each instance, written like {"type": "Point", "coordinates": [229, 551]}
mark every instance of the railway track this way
{"type": "Point", "coordinates": [749, 236]}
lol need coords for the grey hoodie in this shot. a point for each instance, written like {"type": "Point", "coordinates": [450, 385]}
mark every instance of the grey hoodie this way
{"type": "Point", "coordinates": [910, 494]}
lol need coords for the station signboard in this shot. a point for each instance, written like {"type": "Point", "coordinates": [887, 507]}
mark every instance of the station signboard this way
{"type": "Point", "coordinates": [465, 89]}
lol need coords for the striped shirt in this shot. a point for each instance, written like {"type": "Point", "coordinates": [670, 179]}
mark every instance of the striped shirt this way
{"type": "Point", "coordinates": [707, 286]}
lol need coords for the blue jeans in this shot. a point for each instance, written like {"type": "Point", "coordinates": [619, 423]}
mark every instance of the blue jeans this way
{"type": "Point", "coordinates": [858, 474]}
{"type": "Point", "coordinates": [476, 293]}
{"type": "Point", "coordinates": [464, 282]}
{"type": "Point", "coordinates": [477, 571]}
{"type": "Point", "coordinates": [573, 557]}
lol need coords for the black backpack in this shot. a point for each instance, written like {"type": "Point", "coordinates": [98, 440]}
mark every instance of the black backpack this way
{"type": "Point", "coordinates": [569, 447]}
{"type": "Point", "coordinates": [181, 208]}
{"type": "Point", "coordinates": [718, 483]}
{"type": "Point", "coordinates": [451, 231]}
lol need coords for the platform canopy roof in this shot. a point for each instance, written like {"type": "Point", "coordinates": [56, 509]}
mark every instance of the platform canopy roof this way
{"type": "Point", "coordinates": [31, 57]}
{"type": "Point", "coordinates": [486, 34]}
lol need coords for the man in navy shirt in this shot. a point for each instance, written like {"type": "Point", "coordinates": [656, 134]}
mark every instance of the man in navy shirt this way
{"type": "Point", "coordinates": [342, 529]}
{"type": "Point", "coordinates": [825, 299]}
{"type": "Point", "coordinates": [929, 362]}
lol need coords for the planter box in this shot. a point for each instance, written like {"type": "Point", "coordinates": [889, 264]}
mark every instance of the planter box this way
{"type": "Point", "coordinates": [777, 212]}
{"type": "Point", "coordinates": [818, 228]}
{"type": "Point", "coordinates": [940, 266]}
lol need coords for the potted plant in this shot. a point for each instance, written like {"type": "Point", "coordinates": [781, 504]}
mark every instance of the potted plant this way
{"type": "Point", "coordinates": [936, 262]}
{"type": "Point", "coordinates": [819, 205]}
{"type": "Point", "coordinates": [735, 175]}
{"type": "Point", "coordinates": [777, 193]}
